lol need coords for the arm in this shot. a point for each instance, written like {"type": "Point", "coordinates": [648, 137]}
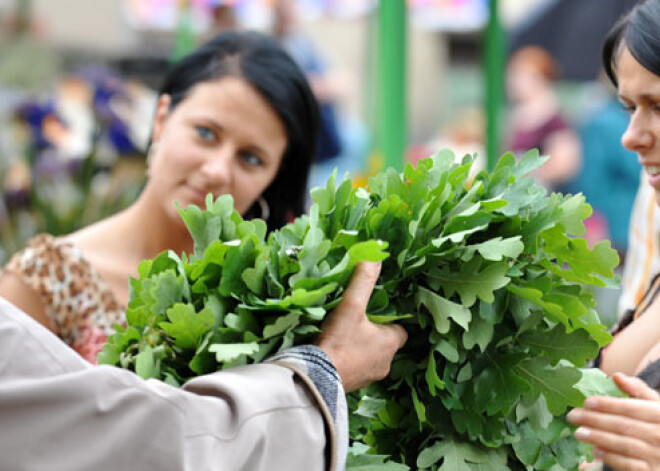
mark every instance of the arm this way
{"type": "Point", "coordinates": [56, 408]}
{"type": "Point", "coordinates": [629, 348]}
{"type": "Point", "coordinates": [566, 157]}
{"type": "Point", "coordinates": [625, 432]}
{"type": "Point", "coordinates": [13, 289]}
{"type": "Point", "coordinates": [651, 356]}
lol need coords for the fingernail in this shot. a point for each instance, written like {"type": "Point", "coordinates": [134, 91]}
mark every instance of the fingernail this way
{"type": "Point", "coordinates": [598, 453]}
{"type": "Point", "coordinates": [582, 433]}
{"type": "Point", "coordinates": [574, 415]}
{"type": "Point", "coordinates": [591, 402]}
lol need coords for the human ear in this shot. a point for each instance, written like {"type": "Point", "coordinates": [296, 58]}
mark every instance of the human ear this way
{"type": "Point", "coordinates": [162, 110]}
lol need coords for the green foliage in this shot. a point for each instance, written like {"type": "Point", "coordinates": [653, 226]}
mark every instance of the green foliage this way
{"type": "Point", "coordinates": [60, 204]}
{"type": "Point", "coordinates": [486, 276]}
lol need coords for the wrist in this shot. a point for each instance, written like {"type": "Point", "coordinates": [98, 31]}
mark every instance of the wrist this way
{"type": "Point", "coordinates": [334, 353]}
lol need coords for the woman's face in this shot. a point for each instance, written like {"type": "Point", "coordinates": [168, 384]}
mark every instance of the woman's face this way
{"type": "Point", "coordinates": [222, 138]}
{"type": "Point", "coordinates": [639, 91]}
{"type": "Point", "coordinates": [524, 82]}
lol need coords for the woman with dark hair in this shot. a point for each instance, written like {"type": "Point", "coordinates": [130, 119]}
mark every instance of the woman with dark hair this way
{"type": "Point", "coordinates": [625, 432]}
{"type": "Point", "coordinates": [259, 61]}
{"type": "Point", "coordinates": [237, 117]}
{"type": "Point", "coordinates": [631, 57]}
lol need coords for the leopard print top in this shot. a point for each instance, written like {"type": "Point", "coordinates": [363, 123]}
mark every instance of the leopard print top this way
{"type": "Point", "coordinates": [78, 302]}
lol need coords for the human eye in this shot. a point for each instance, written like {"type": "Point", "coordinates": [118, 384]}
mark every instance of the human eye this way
{"type": "Point", "coordinates": [628, 108]}
{"type": "Point", "coordinates": [205, 133]}
{"type": "Point", "coordinates": [251, 158]}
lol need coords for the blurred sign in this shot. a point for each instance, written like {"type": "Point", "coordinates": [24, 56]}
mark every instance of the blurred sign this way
{"type": "Point", "coordinates": [336, 8]}
{"type": "Point", "coordinates": [445, 15]}
{"type": "Point", "coordinates": [449, 15]}
{"type": "Point", "coordinates": [164, 14]}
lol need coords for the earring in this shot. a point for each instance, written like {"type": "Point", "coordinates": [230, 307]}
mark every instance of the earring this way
{"type": "Point", "coordinates": [265, 209]}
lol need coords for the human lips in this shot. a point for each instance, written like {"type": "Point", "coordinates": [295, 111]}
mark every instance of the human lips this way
{"type": "Point", "coordinates": [198, 195]}
{"type": "Point", "coordinates": [653, 172]}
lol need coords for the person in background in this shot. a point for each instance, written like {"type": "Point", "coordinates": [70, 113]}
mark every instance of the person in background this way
{"type": "Point", "coordinates": [59, 412]}
{"type": "Point", "coordinates": [236, 116]}
{"type": "Point", "coordinates": [223, 17]}
{"type": "Point", "coordinates": [344, 140]}
{"type": "Point", "coordinates": [536, 121]}
{"type": "Point", "coordinates": [625, 431]}
{"type": "Point", "coordinates": [326, 89]}
{"type": "Point", "coordinates": [610, 174]}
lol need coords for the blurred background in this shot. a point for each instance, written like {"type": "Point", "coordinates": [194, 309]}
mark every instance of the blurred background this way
{"type": "Point", "coordinates": [396, 79]}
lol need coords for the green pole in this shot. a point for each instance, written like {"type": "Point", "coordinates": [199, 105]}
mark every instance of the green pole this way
{"type": "Point", "coordinates": [184, 39]}
{"type": "Point", "coordinates": [371, 84]}
{"type": "Point", "coordinates": [23, 16]}
{"type": "Point", "coordinates": [495, 62]}
{"type": "Point", "coordinates": [392, 31]}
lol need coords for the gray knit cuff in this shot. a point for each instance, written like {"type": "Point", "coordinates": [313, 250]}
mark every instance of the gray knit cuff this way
{"type": "Point", "coordinates": [317, 366]}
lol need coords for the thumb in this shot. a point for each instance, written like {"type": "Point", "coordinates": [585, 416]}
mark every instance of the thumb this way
{"type": "Point", "coordinates": [635, 387]}
{"type": "Point", "coordinates": [398, 332]}
{"type": "Point", "coordinates": [359, 289]}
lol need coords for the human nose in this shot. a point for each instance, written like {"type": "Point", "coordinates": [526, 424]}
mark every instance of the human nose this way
{"type": "Point", "coordinates": [638, 136]}
{"type": "Point", "coordinates": [217, 166]}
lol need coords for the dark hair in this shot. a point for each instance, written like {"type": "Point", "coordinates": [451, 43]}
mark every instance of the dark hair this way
{"type": "Point", "coordinates": [638, 32]}
{"type": "Point", "coordinates": [263, 63]}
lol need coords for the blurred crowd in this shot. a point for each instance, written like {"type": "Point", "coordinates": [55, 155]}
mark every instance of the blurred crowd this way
{"type": "Point", "coordinates": [74, 153]}
{"type": "Point", "coordinates": [581, 133]}
{"type": "Point", "coordinates": [71, 155]}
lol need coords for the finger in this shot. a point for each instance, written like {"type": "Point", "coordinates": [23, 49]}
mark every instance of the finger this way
{"type": "Point", "coordinates": [638, 409]}
{"type": "Point", "coordinates": [615, 424]}
{"type": "Point", "coordinates": [618, 444]}
{"type": "Point", "coordinates": [624, 463]}
{"type": "Point", "coordinates": [359, 289]}
{"type": "Point", "coordinates": [635, 387]}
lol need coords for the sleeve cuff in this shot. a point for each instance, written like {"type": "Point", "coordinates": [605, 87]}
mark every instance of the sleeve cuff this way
{"type": "Point", "coordinates": [315, 366]}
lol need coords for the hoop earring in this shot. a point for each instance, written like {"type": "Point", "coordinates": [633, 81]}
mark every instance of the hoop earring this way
{"type": "Point", "coordinates": [265, 209]}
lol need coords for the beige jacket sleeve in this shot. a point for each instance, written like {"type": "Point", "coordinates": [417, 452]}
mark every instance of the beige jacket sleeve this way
{"type": "Point", "coordinates": [57, 412]}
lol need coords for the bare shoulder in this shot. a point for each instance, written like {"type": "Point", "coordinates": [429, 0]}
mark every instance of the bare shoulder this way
{"type": "Point", "coordinates": [16, 291]}
{"type": "Point", "coordinates": [108, 246]}
{"type": "Point", "coordinates": [98, 235]}
{"type": "Point", "coordinates": [103, 242]}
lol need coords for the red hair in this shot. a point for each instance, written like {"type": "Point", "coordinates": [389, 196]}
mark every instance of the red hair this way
{"type": "Point", "coordinates": [538, 58]}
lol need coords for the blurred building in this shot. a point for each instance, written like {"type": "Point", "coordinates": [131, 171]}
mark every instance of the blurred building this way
{"type": "Point", "coordinates": [122, 32]}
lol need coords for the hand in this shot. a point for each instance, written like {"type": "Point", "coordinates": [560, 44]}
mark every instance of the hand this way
{"type": "Point", "coordinates": [625, 432]}
{"type": "Point", "coordinates": [361, 351]}
{"type": "Point", "coordinates": [596, 465]}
